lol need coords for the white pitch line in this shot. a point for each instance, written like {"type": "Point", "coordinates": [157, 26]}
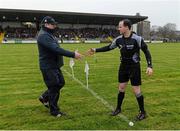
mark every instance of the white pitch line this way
{"type": "Point", "coordinates": [96, 96]}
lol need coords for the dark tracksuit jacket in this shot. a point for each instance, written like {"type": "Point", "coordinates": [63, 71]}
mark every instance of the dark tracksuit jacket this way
{"type": "Point", "coordinates": [50, 53]}
{"type": "Point", "coordinates": [50, 62]}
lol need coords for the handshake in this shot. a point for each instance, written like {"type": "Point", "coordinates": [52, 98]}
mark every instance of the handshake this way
{"type": "Point", "coordinates": [90, 52]}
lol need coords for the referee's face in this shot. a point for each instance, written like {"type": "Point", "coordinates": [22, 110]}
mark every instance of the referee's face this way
{"type": "Point", "coordinates": [122, 29]}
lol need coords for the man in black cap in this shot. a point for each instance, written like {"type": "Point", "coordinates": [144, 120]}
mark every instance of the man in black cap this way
{"type": "Point", "coordinates": [50, 61]}
{"type": "Point", "coordinates": [129, 44]}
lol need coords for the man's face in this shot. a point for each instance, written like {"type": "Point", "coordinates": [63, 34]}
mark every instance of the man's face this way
{"type": "Point", "coordinates": [50, 26]}
{"type": "Point", "coordinates": [122, 29]}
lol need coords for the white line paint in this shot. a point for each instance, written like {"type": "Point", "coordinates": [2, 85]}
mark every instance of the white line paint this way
{"type": "Point", "coordinates": [96, 96]}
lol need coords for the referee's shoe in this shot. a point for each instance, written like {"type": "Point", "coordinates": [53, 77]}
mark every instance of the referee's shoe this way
{"type": "Point", "coordinates": [141, 116]}
{"type": "Point", "coordinates": [116, 112]}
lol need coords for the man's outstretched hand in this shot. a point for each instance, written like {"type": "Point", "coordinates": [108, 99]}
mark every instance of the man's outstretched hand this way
{"type": "Point", "coordinates": [78, 55]}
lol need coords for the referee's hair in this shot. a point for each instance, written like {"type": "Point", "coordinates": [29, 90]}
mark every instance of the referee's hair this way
{"type": "Point", "coordinates": [127, 22]}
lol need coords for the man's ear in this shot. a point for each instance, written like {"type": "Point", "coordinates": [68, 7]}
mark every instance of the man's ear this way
{"type": "Point", "coordinates": [45, 24]}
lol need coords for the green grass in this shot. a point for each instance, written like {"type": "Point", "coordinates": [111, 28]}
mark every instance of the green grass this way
{"type": "Point", "coordinates": [21, 84]}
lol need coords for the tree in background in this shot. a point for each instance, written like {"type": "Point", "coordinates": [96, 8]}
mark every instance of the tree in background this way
{"type": "Point", "coordinates": [165, 33]}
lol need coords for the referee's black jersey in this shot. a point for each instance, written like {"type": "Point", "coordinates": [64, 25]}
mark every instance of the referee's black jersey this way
{"type": "Point", "coordinates": [129, 49]}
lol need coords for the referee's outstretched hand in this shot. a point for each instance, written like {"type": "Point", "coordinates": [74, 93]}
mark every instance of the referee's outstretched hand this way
{"type": "Point", "coordinates": [90, 52]}
{"type": "Point", "coordinates": [149, 71]}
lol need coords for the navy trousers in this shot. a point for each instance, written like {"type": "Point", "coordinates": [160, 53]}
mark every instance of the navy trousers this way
{"type": "Point", "coordinates": [54, 81]}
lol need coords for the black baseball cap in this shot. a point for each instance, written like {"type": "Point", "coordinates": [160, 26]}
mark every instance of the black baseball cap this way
{"type": "Point", "coordinates": [48, 20]}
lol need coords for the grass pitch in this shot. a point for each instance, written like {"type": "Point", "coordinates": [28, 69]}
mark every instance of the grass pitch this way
{"type": "Point", "coordinates": [21, 84]}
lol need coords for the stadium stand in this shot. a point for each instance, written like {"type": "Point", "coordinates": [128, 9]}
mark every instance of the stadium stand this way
{"type": "Point", "coordinates": [73, 26]}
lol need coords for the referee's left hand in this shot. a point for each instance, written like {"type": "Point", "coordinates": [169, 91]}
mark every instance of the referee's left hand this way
{"type": "Point", "coordinates": [149, 71]}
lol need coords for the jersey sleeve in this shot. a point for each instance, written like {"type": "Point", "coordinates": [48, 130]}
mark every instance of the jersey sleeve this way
{"type": "Point", "coordinates": [109, 47]}
{"type": "Point", "coordinates": [147, 53]}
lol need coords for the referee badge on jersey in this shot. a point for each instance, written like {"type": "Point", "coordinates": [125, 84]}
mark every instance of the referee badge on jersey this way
{"type": "Point", "coordinates": [129, 47]}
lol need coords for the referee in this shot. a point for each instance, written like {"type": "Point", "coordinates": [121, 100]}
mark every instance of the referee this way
{"type": "Point", "coordinates": [129, 44]}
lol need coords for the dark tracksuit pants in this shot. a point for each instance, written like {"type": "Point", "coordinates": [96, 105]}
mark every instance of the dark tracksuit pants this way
{"type": "Point", "coordinates": [54, 81]}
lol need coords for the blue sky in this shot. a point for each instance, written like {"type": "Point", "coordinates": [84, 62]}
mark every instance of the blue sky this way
{"type": "Point", "coordinates": [159, 12]}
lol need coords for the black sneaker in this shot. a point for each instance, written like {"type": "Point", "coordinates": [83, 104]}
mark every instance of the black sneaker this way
{"type": "Point", "coordinates": [45, 103]}
{"type": "Point", "coordinates": [59, 114]}
{"type": "Point", "coordinates": [116, 112]}
{"type": "Point", "coordinates": [56, 114]}
{"type": "Point", "coordinates": [141, 116]}
{"type": "Point", "coordinates": [62, 113]}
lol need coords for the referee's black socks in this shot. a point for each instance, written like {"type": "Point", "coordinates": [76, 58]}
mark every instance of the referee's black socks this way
{"type": "Point", "coordinates": [140, 100]}
{"type": "Point", "coordinates": [120, 99]}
